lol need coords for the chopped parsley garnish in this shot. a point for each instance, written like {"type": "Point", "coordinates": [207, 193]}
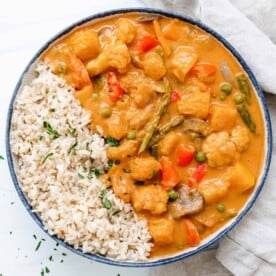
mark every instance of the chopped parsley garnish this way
{"type": "Point", "coordinates": [38, 245]}
{"type": "Point", "coordinates": [112, 141]}
{"type": "Point", "coordinates": [1, 157]}
{"type": "Point", "coordinates": [109, 164]}
{"type": "Point", "coordinates": [115, 212]}
{"type": "Point", "coordinates": [72, 131]}
{"type": "Point", "coordinates": [52, 132]}
{"type": "Point", "coordinates": [72, 150]}
{"type": "Point", "coordinates": [80, 176]}
{"type": "Point", "coordinates": [40, 137]}
{"type": "Point", "coordinates": [47, 156]}
{"type": "Point", "coordinates": [94, 171]}
{"type": "Point", "coordinates": [103, 193]}
{"type": "Point", "coordinates": [107, 204]}
{"type": "Point", "coordinates": [51, 258]}
{"type": "Point", "coordinates": [52, 109]}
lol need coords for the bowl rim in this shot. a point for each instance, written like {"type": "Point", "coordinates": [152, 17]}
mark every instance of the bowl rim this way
{"type": "Point", "coordinates": [221, 233]}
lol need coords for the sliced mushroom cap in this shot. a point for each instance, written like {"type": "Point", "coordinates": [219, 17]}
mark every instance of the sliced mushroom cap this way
{"type": "Point", "coordinates": [189, 202]}
{"type": "Point", "coordinates": [197, 126]}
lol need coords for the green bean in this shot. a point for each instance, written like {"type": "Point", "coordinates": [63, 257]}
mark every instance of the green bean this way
{"type": "Point", "coordinates": [162, 131]}
{"type": "Point", "coordinates": [246, 116]}
{"type": "Point", "coordinates": [244, 87]}
{"type": "Point", "coordinates": [157, 116]}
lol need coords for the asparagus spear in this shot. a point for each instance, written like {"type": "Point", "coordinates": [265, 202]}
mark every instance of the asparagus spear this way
{"type": "Point", "coordinates": [174, 122]}
{"type": "Point", "coordinates": [245, 115]}
{"type": "Point", "coordinates": [244, 87]}
{"type": "Point", "coordinates": [157, 116]}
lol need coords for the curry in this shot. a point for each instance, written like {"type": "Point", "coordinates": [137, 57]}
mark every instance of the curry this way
{"type": "Point", "coordinates": [181, 118]}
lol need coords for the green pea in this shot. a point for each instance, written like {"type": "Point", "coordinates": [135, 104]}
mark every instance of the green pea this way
{"type": "Point", "coordinates": [238, 98]}
{"type": "Point", "coordinates": [220, 207]}
{"type": "Point", "coordinates": [106, 111]}
{"type": "Point", "coordinates": [172, 194]}
{"type": "Point", "coordinates": [131, 135]}
{"type": "Point", "coordinates": [95, 96]}
{"type": "Point", "coordinates": [226, 88]}
{"type": "Point", "coordinates": [200, 157]}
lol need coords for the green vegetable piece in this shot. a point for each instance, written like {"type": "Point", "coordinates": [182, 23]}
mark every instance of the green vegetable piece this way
{"type": "Point", "coordinates": [1, 157]}
{"type": "Point", "coordinates": [172, 194]}
{"type": "Point", "coordinates": [52, 132]}
{"type": "Point", "coordinates": [106, 111]}
{"type": "Point", "coordinates": [200, 157]}
{"type": "Point", "coordinates": [162, 131]}
{"type": "Point", "coordinates": [131, 135]}
{"type": "Point", "coordinates": [220, 207]}
{"type": "Point", "coordinates": [107, 204]}
{"type": "Point", "coordinates": [246, 116]}
{"type": "Point", "coordinates": [47, 156]}
{"type": "Point", "coordinates": [238, 98]}
{"type": "Point", "coordinates": [112, 142]}
{"type": "Point", "coordinates": [157, 116]}
{"type": "Point", "coordinates": [95, 96]}
{"type": "Point", "coordinates": [226, 88]}
{"type": "Point", "coordinates": [244, 87]}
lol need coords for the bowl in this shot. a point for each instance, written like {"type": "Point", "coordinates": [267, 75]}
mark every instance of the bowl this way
{"type": "Point", "coordinates": [28, 74]}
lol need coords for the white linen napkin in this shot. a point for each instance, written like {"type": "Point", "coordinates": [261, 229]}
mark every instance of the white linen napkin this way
{"type": "Point", "coordinates": [249, 25]}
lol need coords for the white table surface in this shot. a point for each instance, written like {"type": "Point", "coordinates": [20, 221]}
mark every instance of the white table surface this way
{"type": "Point", "coordinates": [24, 27]}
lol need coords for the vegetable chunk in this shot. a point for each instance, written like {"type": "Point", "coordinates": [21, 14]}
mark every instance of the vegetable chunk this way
{"type": "Point", "coordinates": [143, 168]}
{"type": "Point", "coordinates": [240, 177]}
{"type": "Point", "coordinates": [213, 189]}
{"type": "Point", "coordinates": [222, 117]}
{"type": "Point", "coordinates": [154, 66]}
{"type": "Point", "coordinates": [85, 44]}
{"type": "Point", "coordinates": [150, 198]}
{"type": "Point", "coordinates": [195, 104]}
{"type": "Point", "coordinates": [183, 59]}
{"type": "Point", "coordinates": [162, 230]}
{"type": "Point", "coordinates": [219, 149]}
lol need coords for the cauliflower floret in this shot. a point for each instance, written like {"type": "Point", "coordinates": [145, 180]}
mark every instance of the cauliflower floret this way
{"type": "Point", "coordinates": [219, 149]}
{"type": "Point", "coordinates": [115, 55]}
{"type": "Point", "coordinates": [125, 30]}
{"type": "Point", "coordinates": [150, 198]}
{"type": "Point", "coordinates": [240, 137]}
{"type": "Point", "coordinates": [143, 168]}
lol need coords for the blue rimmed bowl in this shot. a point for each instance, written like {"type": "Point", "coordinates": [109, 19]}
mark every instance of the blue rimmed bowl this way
{"type": "Point", "coordinates": [27, 75]}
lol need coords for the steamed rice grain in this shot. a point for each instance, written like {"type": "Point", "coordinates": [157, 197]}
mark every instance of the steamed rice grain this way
{"type": "Point", "coordinates": [57, 158]}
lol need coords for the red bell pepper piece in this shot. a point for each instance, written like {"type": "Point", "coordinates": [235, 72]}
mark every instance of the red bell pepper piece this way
{"type": "Point", "coordinates": [175, 96]}
{"type": "Point", "coordinates": [197, 175]}
{"type": "Point", "coordinates": [146, 43]}
{"type": "Point", "coordinates": [193, 238]}
{"type": "Point", "coordinates": [116, 90]}
{"type": "Point", "coordinates": [169, 175]}
{"type": "Point", "coordinates": [184, 156]}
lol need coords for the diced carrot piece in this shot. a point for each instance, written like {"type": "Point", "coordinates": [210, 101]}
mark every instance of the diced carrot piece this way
{"type": "Point", "coordinates": [169, 175]}
{"type": "Point", "coordinates": [193, 238]}
{"type": "Point", "coordinates": [184, 156]}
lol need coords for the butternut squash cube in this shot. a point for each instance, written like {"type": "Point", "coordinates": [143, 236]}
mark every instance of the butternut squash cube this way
{"type": "Point", "coordinates": [223, 117]}
{"type": "Point", "coordinates": [196, 104]}
{"type": "Point", "coordinates": [240, 177]}
{"type": "Point", "coordinates": [162, 230]}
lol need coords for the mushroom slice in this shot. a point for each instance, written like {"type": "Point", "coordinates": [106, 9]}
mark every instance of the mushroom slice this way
{"type": "Point", "coordinates": [196, 125]}
{"type": "Point", "coordinates": [189, 202]}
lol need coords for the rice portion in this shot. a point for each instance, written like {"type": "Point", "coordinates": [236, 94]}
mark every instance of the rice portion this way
{"type": "Point", "coordinates": [58, 160]}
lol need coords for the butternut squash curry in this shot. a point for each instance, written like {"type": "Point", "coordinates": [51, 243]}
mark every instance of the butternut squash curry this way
{"type": "Point", "coordinates": [179, 114]}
